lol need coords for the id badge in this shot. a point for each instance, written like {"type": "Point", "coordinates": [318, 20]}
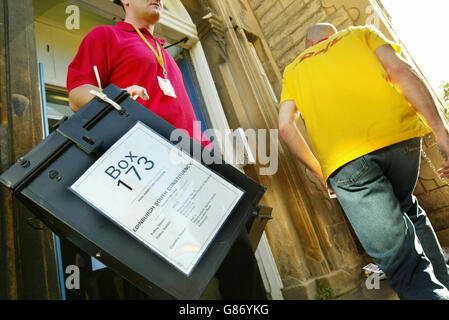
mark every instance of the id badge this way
{"type": "Point", "coordinates": [166, 87]}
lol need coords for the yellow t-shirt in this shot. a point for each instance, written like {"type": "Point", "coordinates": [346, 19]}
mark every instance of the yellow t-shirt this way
{"type": "Point", "coordinates": [343, 94]}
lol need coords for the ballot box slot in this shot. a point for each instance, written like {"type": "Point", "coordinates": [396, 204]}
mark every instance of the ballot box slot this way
{"type": "Point", "coordinates": [77, 128]}
{"type": "Point", "coordinates": [96, 118]}
{"type": "Point", "coordinates": [84, 139]}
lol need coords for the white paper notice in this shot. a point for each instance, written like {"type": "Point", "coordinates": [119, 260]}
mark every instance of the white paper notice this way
{"type": "Point", "coordinates": [165, 199]}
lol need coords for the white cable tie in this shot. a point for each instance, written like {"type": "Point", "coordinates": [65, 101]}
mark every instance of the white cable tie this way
{"type": "Point", "coordinates": [105, 98]}
{"type": "Point", "coordinates": [97, 75]}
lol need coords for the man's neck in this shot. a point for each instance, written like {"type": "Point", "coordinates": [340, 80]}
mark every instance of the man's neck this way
{"type": "Point", "coordinates": [140, 24]}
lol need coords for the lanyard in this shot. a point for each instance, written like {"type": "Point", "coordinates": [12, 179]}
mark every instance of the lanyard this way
{"type": "Point", "coordinates": [158, 54]}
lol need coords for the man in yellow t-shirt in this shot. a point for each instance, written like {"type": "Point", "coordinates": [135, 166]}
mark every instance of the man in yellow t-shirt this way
{"type": "Point", "coordinates": [365, 110]}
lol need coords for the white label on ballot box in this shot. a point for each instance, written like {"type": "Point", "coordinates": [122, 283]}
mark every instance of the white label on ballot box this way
{"type": "Point", "coordinates": [164, 198]}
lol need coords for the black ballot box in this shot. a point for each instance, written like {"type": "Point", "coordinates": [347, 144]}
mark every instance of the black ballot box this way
{"type": "Point", "coordinates": [41, 180]}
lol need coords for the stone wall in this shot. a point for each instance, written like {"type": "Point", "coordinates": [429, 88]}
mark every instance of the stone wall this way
{"type": "Point", "coordinates": [285, 24]}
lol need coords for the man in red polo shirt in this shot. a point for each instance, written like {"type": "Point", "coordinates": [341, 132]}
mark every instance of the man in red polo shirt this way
{"type": "Point", "coordinates": [135, 61]}
{"type": "Point", "coordinates": [129, 56]}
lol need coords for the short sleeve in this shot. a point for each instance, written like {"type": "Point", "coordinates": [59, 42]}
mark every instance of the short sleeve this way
{"type": "Point", "coordinates": [92, 52]}
{"type": "Point", "coordinates": [287, 94]}
{"type": "Point", "coordinates": [375, 39]}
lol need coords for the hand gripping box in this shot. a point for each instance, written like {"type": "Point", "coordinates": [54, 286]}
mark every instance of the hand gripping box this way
{"type": "Point", "coordinates": [169, 227]}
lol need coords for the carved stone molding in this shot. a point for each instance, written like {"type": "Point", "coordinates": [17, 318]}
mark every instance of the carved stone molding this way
{"type": "Point", "coordinates": [211, 24]}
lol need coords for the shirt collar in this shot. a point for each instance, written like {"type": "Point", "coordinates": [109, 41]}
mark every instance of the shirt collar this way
{"type": "Point", "coordinates": [129, 27]}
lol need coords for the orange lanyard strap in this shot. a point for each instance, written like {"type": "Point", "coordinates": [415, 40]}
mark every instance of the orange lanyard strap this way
{"type": "Point", "coordinates": [158, 54]}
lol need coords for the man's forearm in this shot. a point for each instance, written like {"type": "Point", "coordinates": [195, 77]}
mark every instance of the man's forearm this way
{"type": "Point", "coordinates": [288, 116]}
{"type": "Point", "coordinates": [81, 95]}
{"type": "Point", "coordinates": [416, 92]}
{"type": "Point", "coordinates": [412, 87]}
{"type": "Point", "coordinates": [299, 147]}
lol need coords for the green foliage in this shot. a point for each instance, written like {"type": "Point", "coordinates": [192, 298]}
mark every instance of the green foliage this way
{"type": "Point", "coordinates": [325, 293]}
{"type": "Point", "coordinates": [445, 96]}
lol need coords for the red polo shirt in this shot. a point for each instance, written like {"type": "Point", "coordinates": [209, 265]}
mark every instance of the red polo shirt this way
{"type": "Point", "coordinates": [123, 58]}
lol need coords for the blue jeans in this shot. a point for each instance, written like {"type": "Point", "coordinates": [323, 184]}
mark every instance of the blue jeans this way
{"type": "Point", "coordinates": [376, 193]}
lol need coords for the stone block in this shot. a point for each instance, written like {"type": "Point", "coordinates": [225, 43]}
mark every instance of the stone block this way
{"type": "Point", "coordinates": [339, 17]}
{"type": "Point", "coordinates": [267, 19]}
{"type": "Point", "coordinates": [344, 250]}
{"type": "Point", "coordinates": [346, 24]}
{"type": "Point", "coordinates": [299, 290]}
{"type": "Point", "coordinates": [341, 281]}
{"type": "Point", "coordinates": [286, 3]}
{"type": "Point", "coordinates": [262, 10]}
{"type": "Point", "coordinates": [439, 219]}
{"type": "Point", "coordinates": [254, 4]}
{"type": "Point", "coordinates": [443, 237]}
{"type": "Point", "coordinates": [434, 200]}
{"type": "Point", "coordinates": [419, 188]}
{"type": "Point", "coordinates": [314, 18]}
{"type": "Point", "coordinates": [301, 19]}
{"type": "Point", "coordinates": [284, 24]}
